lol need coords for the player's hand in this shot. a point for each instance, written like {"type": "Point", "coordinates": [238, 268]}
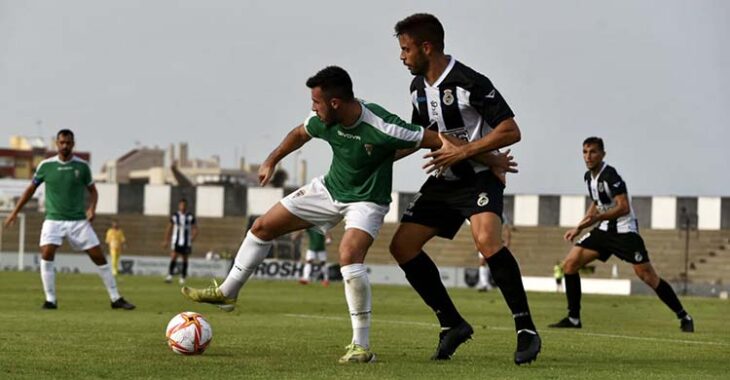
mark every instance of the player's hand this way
{"type": "Point", "coordinates": [266, 171]}
{"type": "Point", "coordinates": [571, 234]}
{"type": "Point", "coordinates": [10, 220]}
{"type": "Point", "coordinates": [90, 215]}
{"type": "Point", "coordinates": [503, 163]}
{"type": "Point", "coordinates": [444, 157]}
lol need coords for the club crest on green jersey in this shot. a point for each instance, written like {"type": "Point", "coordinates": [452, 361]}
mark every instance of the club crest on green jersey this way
{"type": "Point", "coordinates": [369, 149]}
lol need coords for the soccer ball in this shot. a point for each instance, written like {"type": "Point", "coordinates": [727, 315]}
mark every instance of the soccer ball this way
{"type": "Point", "coordinates": [188, 333]}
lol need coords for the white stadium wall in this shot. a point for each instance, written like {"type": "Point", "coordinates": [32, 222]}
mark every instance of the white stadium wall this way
{"type": "Point", "coordinates": [709, 213]}
{"type": "Point", "coordinates": [260, 199]}
{"type": "Point", "coordinates": [108, 198]}
{"type": "Point", "coordinates": [527, 210]}
{"type": "Point", "coordinates": [663, 213]}
{"type": "Point", "coordinates": [572, 209]}
{"type": "Point", "coordinates": [659, 212]}
{"type": "Point", "coordinates": [157, 200]}
{"type": "Point", "coordinates": [209, 201]}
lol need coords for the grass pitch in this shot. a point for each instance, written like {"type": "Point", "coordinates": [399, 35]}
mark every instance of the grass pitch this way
{"type": "Point", "coordinates": [282, 330]}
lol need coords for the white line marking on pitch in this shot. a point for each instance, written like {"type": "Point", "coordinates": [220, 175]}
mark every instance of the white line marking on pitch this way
{"type": "Point", "coordinates": [425, 324]}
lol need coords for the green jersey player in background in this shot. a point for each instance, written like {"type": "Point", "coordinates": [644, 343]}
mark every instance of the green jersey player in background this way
{"type": "Point", "coordinates": [67, 178]}
{"type": "Point", "coordinates": [364, 138]}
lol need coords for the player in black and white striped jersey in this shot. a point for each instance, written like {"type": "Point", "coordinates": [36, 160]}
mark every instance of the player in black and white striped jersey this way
{"type": "Point", "coordinates": [179, 236]}
{"type": "Point", "coordinates": [617, 233]}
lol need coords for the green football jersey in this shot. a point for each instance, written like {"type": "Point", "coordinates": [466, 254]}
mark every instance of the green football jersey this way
{"type": "Point", "coordinates": [66, 184]}
{"type": "Point", "coordinates": [316, 240]}
{"type": "Point", "coordinates": [363, 153]}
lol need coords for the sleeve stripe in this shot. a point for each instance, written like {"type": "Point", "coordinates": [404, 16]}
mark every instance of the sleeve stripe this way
{"type": "Point", "coordinates": [394, 130]}
{"type": "Point", "coordinates": [306, 123]}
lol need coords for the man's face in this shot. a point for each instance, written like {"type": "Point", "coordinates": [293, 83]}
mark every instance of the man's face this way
{"type": "Point", "coordinates": [413, 55]}
{"type": "Point", "coordinates": [325, 109]}
{"type": "Point", "coordinates": [182, 206]}
{"type": "Point", "coordinates": [593, 156]}
{"type": "Point", "coordinates": [115, 225]}
{"type": "Point", "coordinates": [65, 145]}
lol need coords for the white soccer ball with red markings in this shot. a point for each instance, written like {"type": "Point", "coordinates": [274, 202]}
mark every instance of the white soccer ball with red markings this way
{"type": "Point", "coordinates": [188, 333]}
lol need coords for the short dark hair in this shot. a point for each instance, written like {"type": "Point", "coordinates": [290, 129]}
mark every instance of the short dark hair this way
{"type": "Point", "coordinates": [422, 27]}
{"type": "Point", "coordinates": [65, 132]}
{"type": "Point", "coordinates": [183, 200]}
{"type": "Point", "coordinates": [334, 81]}
{"type": "Point", "coordinates": [593, 140]}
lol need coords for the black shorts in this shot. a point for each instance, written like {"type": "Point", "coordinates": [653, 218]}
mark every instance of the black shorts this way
{"type": "Point", "coordinates": [182, 249]}
{"type": "Point", "coordinates": [627, 246]}
{"type": "Point", "coordinates": [445, 205]}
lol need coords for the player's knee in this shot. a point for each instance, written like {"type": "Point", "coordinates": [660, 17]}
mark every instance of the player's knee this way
{"type": "Point", "coordinates": [261, 230]}
{"type": "Point", "coordinates": [488, 244]}
{"type": "Point", "coordinates": [571, 265]}
{"type": "Point", "coordinates": [399, 247]}
{"type": "Point", "coordinates": [647, 275]}
{"type": "Point", "coordinates": [351, 255]}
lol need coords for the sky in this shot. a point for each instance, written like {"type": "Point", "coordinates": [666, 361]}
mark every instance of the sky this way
{"type": "Point", "coordinates": [650, 77]}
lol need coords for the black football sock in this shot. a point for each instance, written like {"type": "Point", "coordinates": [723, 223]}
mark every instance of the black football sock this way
{"type": "Point", "coordinates": [185, 269]}
{"type": "Point", "coordinates": [507, 276]}
{"type": "Point", "coordinates": [171, 269]}
{"type": "Point", "coordinates": [424, 277]}
{"type": "Point", "coordinates": [669, 297]}
{"type": "Point", "coordinates": [573, 293]}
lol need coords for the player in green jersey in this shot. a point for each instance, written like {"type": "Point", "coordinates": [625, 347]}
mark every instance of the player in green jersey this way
{"type": "Point", "coordinates": [364, 138]}
{"type": "Point", "coordinates": [67, 178]}
{"type": "Point", "coordinates": [316, 254]}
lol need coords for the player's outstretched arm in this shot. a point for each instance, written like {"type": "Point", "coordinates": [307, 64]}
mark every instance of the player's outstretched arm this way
{"type": "Point", "coordinates": [27, 194]}
{"type": "Point", "coordinates": [505, 134]}
{"type": "Point", "coordinates": [293, 141]}
{"type": "Point", "coordinates": [402, 153]}
{"type": "Point", "coordinates": [588, 220]}
{"type": "Point", "coordinates": [622, 208]}
{"type": "Point", "coordinates": [501, 163]}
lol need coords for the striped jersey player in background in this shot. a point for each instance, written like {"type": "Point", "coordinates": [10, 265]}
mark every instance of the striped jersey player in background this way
{"type": "Point", "coordinates": [617, 233]}
{"type": "Point", "coordinates": [181, 231]}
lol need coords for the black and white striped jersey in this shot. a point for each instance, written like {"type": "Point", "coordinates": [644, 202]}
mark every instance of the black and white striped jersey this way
{"type": "Point", "coordinates": [462, 103]}
{"type": "Point", "coordinates": [182, 229]}
{"type": "Point", "coordinates": [603, 189]}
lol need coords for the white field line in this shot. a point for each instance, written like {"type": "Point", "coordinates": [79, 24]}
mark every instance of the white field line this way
{"type": "Point", "coordinates": [433, 325]}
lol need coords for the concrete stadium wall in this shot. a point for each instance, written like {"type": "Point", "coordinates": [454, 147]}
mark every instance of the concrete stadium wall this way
{"type": "Point", "coordinates": [658, 212]}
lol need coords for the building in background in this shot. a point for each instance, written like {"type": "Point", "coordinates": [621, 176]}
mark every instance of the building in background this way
{"type": "Point", "coordinates": [22, 157]}
{"type": "Point", "coordinates": [155, 166]}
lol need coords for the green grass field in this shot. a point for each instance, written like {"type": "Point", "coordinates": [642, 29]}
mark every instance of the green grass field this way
{"type": "Point", "coordinates": [284, 330]}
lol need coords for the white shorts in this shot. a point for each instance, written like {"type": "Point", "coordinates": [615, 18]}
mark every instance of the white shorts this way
{"type": "Point", "coordinates": [316, 256]}
{"type": "Point", "coordinates": [78, 232]}
{"type": "Point", "coordinates": [313, 203]}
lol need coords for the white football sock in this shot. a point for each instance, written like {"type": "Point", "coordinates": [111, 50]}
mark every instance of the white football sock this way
{"type": "Point", "coordinates": [252, 252]}
{"type": "Point", "coordinates": [307, 273]}
{"type": "Point", "coordinates": [48, 277]}
{"type": "Point", "coordinates": [105, 272]}
{"type": "Point", "coordinates": [357, 293]}
{"type": "Point", "coordinates": [483, 276]}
